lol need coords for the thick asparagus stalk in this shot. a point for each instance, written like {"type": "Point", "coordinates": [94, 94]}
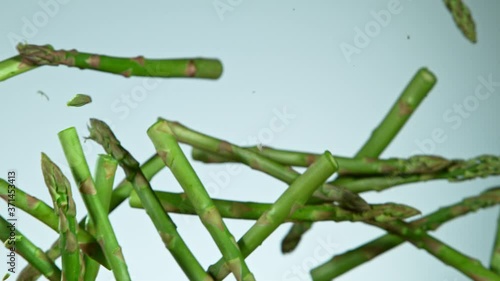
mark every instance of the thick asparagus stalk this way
{"type": "Point", "coordinates": [169, 150]}
{"type": "Point", "coordinates": [150, 168]}
{"type": "Point", "coordinates": [448, 255]}
{"type": "Point", "coordinates": [138, 66]}
{"type": "Point", "coordinates": [349, 260]}
{"type": "Point", "coordinates": [60, 191]}
{"type": "Point", "coordinates": [294, 197]}
{"type": "Point", "coordinates": [463, 18]}
{"type": "Point", "coordinates": [102, 134]}
{"type": "Point", "coordinates": [14, 66]}
{"type": "Point", "coordinates": [104, 178]}
{"type": "Point", "coordinates": [418, 164]}
{"type": "Point", "coordinates": [325, 192]}
{"type": "Point", "coordinates": [81, 173]}
{"type": "Point", "coordinates": [29, 251]}
{"type": "Point", "coordinates": [180, 203]}
{"type": "Point", "coordinates": [411, 97]}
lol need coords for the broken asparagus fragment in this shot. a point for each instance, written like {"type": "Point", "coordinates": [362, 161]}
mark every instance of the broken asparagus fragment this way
{"type": "Point", "coordinates": [81, 174]}
{"type": "Point", "coordinates": [29, 251]}
{"type": "Point", "coordinates": [64, 206]}
{"type": "Point", "coordinates": [495, 253]}
{"type": "Point", "coordinates": [79, 100]}
{"type": "Point", "coordinates": [14, 66]}
{"type": "Point", "coordinates": [342, 263]}
{"type": "Point", "coordinates": [138, 66]}
{"type": "Point", "coordinates": [102, 134]}
{"type": "Point", "coordinates": [295, 196]}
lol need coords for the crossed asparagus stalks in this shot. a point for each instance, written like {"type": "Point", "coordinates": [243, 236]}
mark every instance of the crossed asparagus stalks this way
{"type": "Point", "coordinates": [308, 199]}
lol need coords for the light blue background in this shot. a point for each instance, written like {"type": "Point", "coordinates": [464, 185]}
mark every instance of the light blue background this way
{"type": "Point", "coordinates": [277, 56]}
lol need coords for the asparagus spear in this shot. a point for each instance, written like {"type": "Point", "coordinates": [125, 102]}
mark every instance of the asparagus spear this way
{"type": "Point", "coordinates": [104, 179]}
{"type": "Point", "coordinates": [102, 134]}
{"type": "Point", "coordinates": [495, 254]}
{"type": "Point", "coordinates": [349, 260]}
{"type": "Point", "coordinates": [60, 191]}
{"type": "Point", "coordinates": [105, 233]}
{"type": "Point", "coordinates": [418, 164]}
{"type": "Point", "coordinates": [29, 251]}
{"type": "Point", "coordinates": [169, 150]}
{"type": "Point", "coordinates": [138, 66]}
{"type": "Point", "coordinates": [325, 192]}
{"type": "Point", "coordinates": [180, 203]}
{"type": "Point", "coordinates": [14, 66]}
{"type": "Point", "coordinates": [294, 197]}
{"type": "Point", "coordinates": [150, 168]}
{"type": "Point", "coordinates": [463, 18]}
{"type": "Point", "coordinates": [45, 214]}
{"type": "Point", "coordinates": [411, 97]}
{"type": "Point", "coordinates": [448, 255]}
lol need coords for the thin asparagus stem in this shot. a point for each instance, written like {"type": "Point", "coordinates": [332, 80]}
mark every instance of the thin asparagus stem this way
{"type": "Point", "coordinates": [60, 191]}
{"type": "Point", "coordinates": [14, 66]}
{"type": "Point", "coordinates": [347, 261]}
{"type": "Point", "coordinates": [495, 254]}
{"type": "Point", "coordinates": [408, 101]}
{"type": "Point", "coordinates": [325, 192]}
{"type": "Point", "coordinates": [418, 164]}
{"type": "Point", "coordinates": [180, 203]}
{"type": "Point", "coordinates": [169, 150]}
{"type": "Point", "coordinates": [463, 18]}
{"type": "Point", "coordinates": [30, 273]}
{"type": "Point", "coordinates": [102, 134]}
{"type": "Point", "coordinates": [29, 251]}
{"type": "Point", "coordinates": [294, 197]}
{"type": "Point", "coordinates": [104, 178]}
{"type": "Point", "coordinates": [138, 66]}
{"type": "Point", "coordinates": [81, 173]}
{"type": "Point", "coordinates": [445, 253]}
{"type": "Point", "coordinates": [47, 215]}
{"type": "Point", "coordinates": [150, 168]}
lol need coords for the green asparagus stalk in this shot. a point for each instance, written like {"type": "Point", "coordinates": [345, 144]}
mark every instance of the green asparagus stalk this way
{"type": "Point", "coordinates": [104, 178]}
{"type": "Point", "coordinates": [81, 173]}
{"type": "Point", "coordinates": [463, 18]}
{"type": "Point", "coordinates": [138, 66]}
{"type": "Point", "coordinates": [29, 251]}
{"type": "Point", "coordinates": [495, 254]}
{"type": "Point", "coordinates": [102, 134]}
{"type": "Point", "coordinates": [169, 150]}
{"type": "Point", "coordinates": [45, 214]}
{"type": "Point", "coordinates": [60, 191]}
{"type": "Point", "coordinates": [418, 164]}
{"type": "Point", "coordinates": [150, 168]}
{"type": "Point", "coordinates": [445, 253]}
{"type": "Point", "coordinates": [326, 192]}
{"type": "Point", "coordinates": [14, 66]}
{"type": "Point", "coordinates": [180, 203]}
{"type": "Point", "coordinates": [294, 197]}
{"type": "Point", "coordinates": [349, 260]}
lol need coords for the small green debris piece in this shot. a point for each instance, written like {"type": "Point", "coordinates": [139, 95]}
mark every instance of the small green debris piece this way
{"type": "Point", "coordinates": [79, 100]}
{"type": "Point", "coordinates": [41, 93]}
{"type": "Point", "coordinates": [6, 276]}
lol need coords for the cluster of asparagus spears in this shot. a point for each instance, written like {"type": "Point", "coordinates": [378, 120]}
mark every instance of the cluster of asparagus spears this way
{"type": "Point", "coordinates": [87, 245]}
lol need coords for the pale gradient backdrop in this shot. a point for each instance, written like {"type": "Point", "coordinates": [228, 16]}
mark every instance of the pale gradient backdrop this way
{"type": "Point", "coordinates": [284, 56]}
